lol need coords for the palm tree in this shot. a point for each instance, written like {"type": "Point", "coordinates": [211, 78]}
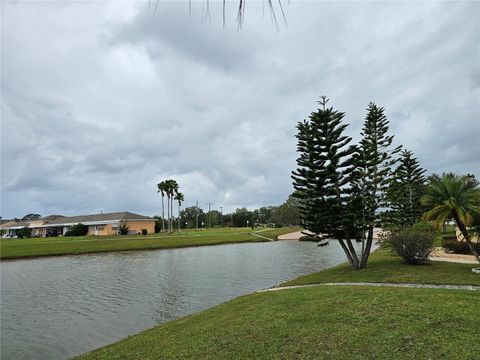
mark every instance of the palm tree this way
{"type": "Point", "coordinates": [453, 197]}
{"type": "Point", "coordinates": [179, 197]}
{"type": "Point", "coordinates": [171, 188]}
{"type": "Point", "coordinates": [161, 189]}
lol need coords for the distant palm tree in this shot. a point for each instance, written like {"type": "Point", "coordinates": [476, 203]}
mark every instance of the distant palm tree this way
{"type": "Point", "coordinates": [161, 189]}
{"type": "Point", "coordinates": [179, 197]}
{"type": "Point", "coordinates": [171, 188]}
{"type": "Point", "coordinates": [453, 197]}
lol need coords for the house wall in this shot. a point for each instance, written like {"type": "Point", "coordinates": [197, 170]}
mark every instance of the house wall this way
{"type": "Point", "coordinates": [137, 226]}
{"type": "Point", "coordinates": [101, 230]}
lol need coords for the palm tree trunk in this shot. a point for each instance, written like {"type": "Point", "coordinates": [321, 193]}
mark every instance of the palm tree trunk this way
{"type": "Point", "coordinates": [464, 232]}
{"type": "Point", "coordinates": [163, 215]}
{"type": "Point", "coordinates": [171, 212]}
{"type": "Point", "coordinates": [168, 213]}
{"type": "Point", "coordinates": [179, 216]}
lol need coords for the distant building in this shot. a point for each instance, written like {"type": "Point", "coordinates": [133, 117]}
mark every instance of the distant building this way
{"type": "Point", "coordinates": [98, 224]}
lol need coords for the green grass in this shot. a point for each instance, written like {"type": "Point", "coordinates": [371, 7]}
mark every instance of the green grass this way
{"type": "Point", "coordinates": [318, 323]}
{"type": "Point", "coordinates": [385, 267]}
{"type": "Point", "coordinates": [34, 247]}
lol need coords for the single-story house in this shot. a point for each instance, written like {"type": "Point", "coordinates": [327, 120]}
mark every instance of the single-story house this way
{"type": "Point", "coordinates": [98, 224]}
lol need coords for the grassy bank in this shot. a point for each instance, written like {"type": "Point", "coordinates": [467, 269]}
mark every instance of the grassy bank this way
{"type": "Point", "coordinates": [321, 322]}
{"type": "Point", "coordinates": [35, 247]}
{"type": "Point", "coordinates": [338, 322]}
{"type": "Point", "coordinates": [385, 267]}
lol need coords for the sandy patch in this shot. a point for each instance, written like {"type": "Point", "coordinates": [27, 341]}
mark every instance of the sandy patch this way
{"type": "Point", "coordinates": [439, 254]}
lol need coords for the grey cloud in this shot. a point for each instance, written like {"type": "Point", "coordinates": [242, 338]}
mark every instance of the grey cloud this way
{"type": "Point", "coordinates": [103, 100]}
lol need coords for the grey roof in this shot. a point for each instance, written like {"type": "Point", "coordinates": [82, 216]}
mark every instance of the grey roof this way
{"type": "Point", "coordinates": [99, 217]}
{"type": "Point", "coordinates": [51, 217]}
{"type": "Point", "coordinates": [4, 221]}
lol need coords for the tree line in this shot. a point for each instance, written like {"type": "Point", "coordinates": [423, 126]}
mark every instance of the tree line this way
{"type": "Point", "coordinates": [194, 217]}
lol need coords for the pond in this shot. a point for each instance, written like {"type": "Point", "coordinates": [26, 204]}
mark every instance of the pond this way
{"type": "Point", "coordinates": [56, 308]}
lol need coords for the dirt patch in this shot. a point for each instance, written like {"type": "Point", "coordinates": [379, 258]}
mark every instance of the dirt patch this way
{"type": "Point", "coordinates": [439, 254]}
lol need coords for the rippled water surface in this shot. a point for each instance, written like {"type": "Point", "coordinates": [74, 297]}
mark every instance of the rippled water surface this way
{"type": "Point", "coordinates": [55, 308]}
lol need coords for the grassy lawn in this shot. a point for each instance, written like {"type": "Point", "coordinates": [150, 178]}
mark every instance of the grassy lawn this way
{"type": "Point", "coordinates": [385, 267]}
{"type": "Point", "coordinates": [34, 247]}
{"type": "Point", "coordinates": [322, 323]}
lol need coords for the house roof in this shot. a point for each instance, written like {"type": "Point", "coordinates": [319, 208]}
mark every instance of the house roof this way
{"type": "Point", "coordinates": [115, 216]}
{"type": "Point", "coordinates": [4, 221]}
{"type": "Point", "coordinates": [50, 217]}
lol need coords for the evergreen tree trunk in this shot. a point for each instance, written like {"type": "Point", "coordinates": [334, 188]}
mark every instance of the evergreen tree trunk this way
{"type": "Point", "coordinates": [368, 247]}
{"type": "Point", "coordinates": [349, 256]}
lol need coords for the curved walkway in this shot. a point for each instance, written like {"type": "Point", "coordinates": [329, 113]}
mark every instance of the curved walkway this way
{"type": "Point", "coordinates": [416, 286]}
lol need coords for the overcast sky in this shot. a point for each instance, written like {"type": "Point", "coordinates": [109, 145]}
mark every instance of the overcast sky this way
{"type": "Point", "coordinates": [102, 100]}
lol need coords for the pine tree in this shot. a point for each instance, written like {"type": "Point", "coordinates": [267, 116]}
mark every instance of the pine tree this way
{"type": "Point", "coordinates": [373, 162]}
{"type": "Point", "coordinates": [405, 190]}
{"type": "Point", "coordinates": [322, 177]}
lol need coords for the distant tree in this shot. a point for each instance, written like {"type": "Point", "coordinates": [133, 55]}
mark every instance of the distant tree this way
{"type": "Point", "coordinates": [241, 216]}
{"type": "Point", "coordinates": [158, 224]}
{"type": "Point", "coordinates": [161, 188]}
{"type": "Point", "coordinates": [24, 232]}
{"type": "Point", "coordinates": [168, 188]}
{"type": "Point", "coordinates": [453, 197]}
{"type": "Point", "coordinates": [189, 215]}
{"type": "Point", "coordinates": [405, 190]}
{"type": "Point", "coordinates": [77, 230]}
{"type": "Point", "coordinates": [322, 178]}
{"type": "Point", "coordinates": [287, 214]}
{"type": "Point", "coordinates": [123, 228]}
{"type": "Point", "coordinates": [30, 217]}
{"type": "Point", "coordinates": [179, 197]}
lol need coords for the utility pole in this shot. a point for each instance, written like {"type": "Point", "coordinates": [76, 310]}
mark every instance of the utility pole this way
{"type": "Point", "coordinates": [221, 216]}
{"type": "Point", "coordinates": [209, 218]}
{"type": "Point", "coordinates": [196, 222]}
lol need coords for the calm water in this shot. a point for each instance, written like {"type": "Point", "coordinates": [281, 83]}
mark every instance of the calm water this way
{"type": "Point", "coordinates": [55, 308]}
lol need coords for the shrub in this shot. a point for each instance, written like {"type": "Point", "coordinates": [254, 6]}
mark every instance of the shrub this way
{"type": "Point", "coordinates": [77, 230]}
{"type": "Point", "coordinates": [144, 232]}
{"type": "Point", "coordinates": [158, 226]}
{"type": "Point", "coordinates": [123, 229]}
{"type": "Point", "coordinates": [24, 232]}
{"type": "Point", "coordinates": [413, 244]}
{"type": "Point", "coordinates": [452, 245]}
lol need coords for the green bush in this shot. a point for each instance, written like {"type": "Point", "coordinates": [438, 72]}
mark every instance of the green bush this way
{"type": "Point", "coordinates": [144, 232]}
{"type": "Point", "coordinates": [77, 230]}
{"type": "Point", "coordinates": [158, 226]}
{"type": "Point", "coordinates": [452, 245]}
{"type": "Point", "coordinates": [24, 232]}
{"type": "Point", "coordinates": [414, 244]}
{"type": "Point", "coordinates": [123, 229]}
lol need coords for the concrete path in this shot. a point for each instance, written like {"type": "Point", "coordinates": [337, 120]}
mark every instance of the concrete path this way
{"type": "Point", "coordinates": [416, 286]}
{"type": "Point", "coordinates": [261, 236]}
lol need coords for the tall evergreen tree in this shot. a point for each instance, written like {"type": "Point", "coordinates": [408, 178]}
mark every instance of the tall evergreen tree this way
{"type": "Point", "coordinates": [322, 177]}
{"type": "Point", "coordinates": [373, 162]}
{"type": "Point", "coordinates": [405, 191]}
